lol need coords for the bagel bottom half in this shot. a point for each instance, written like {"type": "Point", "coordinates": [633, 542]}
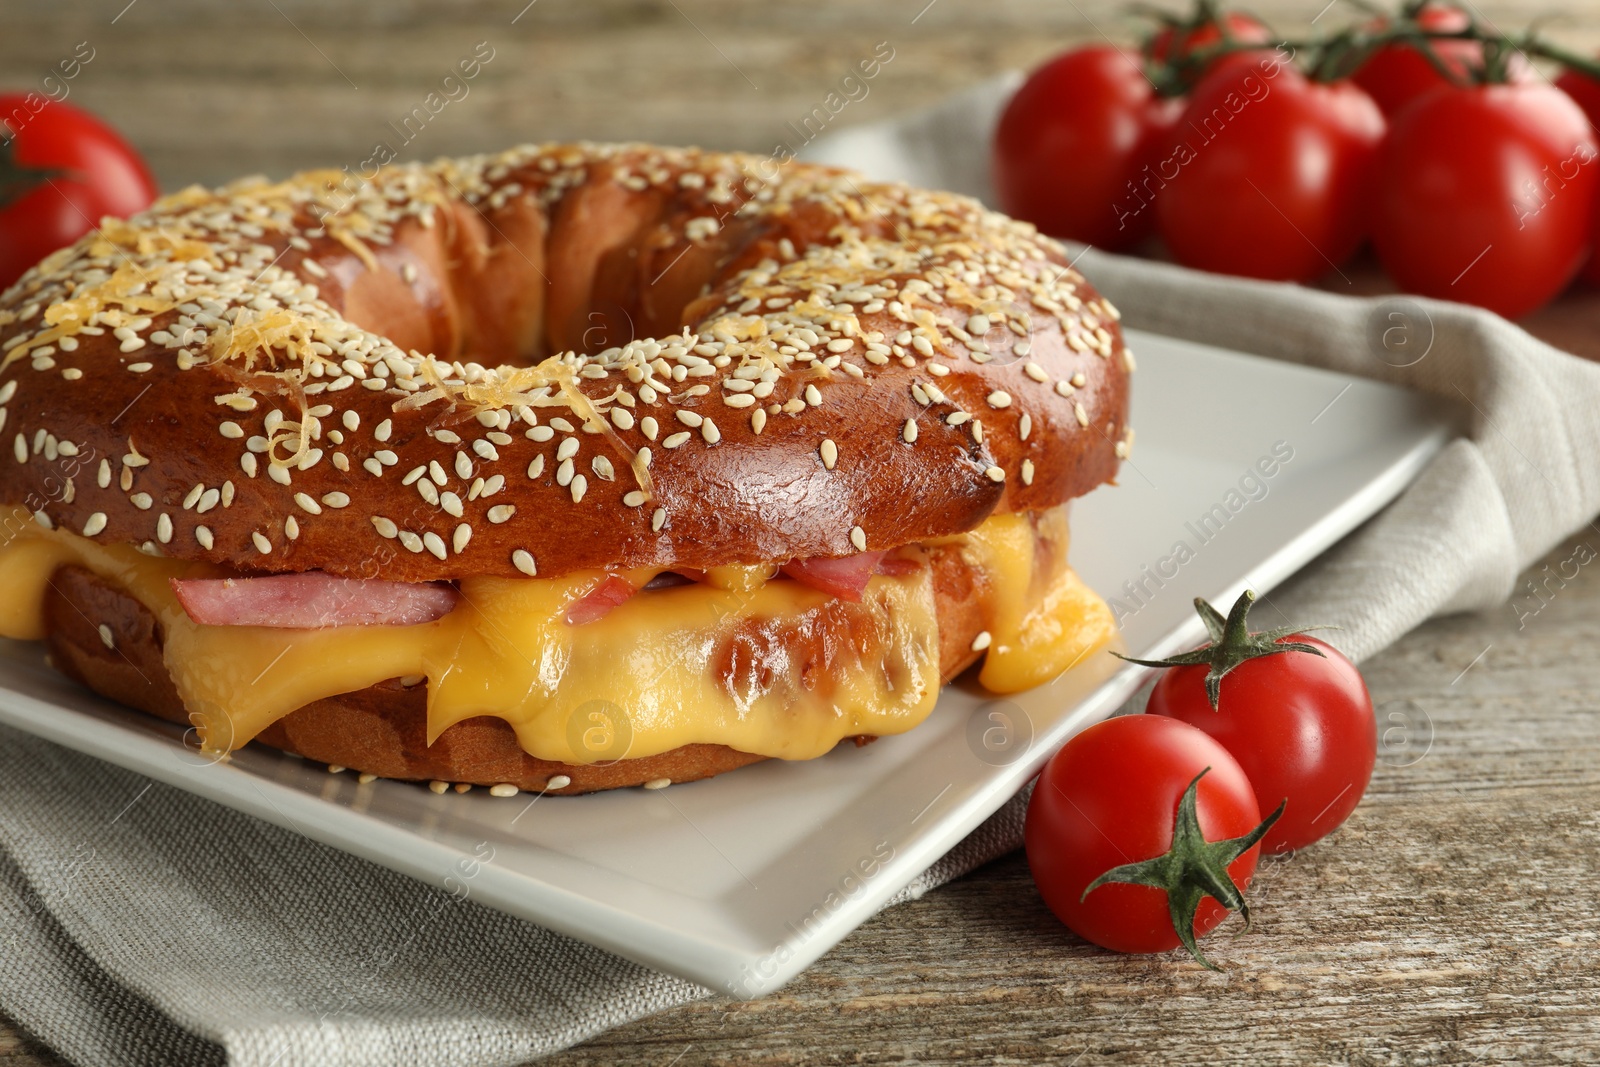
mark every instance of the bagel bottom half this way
{"type": "Point", "coordinates": [382, 729]}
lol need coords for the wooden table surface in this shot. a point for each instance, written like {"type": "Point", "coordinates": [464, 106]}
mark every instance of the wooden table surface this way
{"type": "Point", "coordinates": [1454, 919]}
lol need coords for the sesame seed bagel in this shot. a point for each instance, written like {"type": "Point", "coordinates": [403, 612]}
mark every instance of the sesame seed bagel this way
{"type": "Point", "coordinates": [555, 359]}
{"type": "Point", "coordinates": [825, 429]}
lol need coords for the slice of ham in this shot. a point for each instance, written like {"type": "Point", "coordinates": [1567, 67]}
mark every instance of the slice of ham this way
{"type": "Point", "coordinates": [845, 577]}
{"type": "Point", "coordinates": [598, 602]}
{"type": "Point", "coordinates": [312, 601]}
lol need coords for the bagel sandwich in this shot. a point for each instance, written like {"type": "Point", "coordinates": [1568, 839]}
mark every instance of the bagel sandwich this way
{"type": "Point", "coordinates": [564, 469]}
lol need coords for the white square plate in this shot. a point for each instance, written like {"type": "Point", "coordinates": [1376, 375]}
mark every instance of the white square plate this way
{"type": "Point", "coordinates": [740, 881]}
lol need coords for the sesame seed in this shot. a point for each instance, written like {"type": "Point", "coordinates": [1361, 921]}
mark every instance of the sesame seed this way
{"type": "Point", "coordinates": [709, 431]}
{"type": "Point", "coordinates": [909, 434]}
{"type": "Point", "coordinates": [43, 520]}
{"type": "Point", "coordinates": [1064, 388]}
{"type": "Point", "coordinates": [336, 500]}
{"type": "Point", "coordinates": [501, 512]}
{"type": "Point", "coordinates": [452, 505]}
{"type": "Point", "coordinates": [999, 399]}
{"type": "Point", "coordinates": [995, 474]}
{"type": "Point", "coordinates": [142, 501]}
{"type": "Point", "coordinates": [982, 641]}
{"type": "Point", "coordinates": [1024, 426]}
{"type": "Point", "coordinates": [830, 453]}
{"type": "Point", "coordinates": [569, 448]}
{"type": "Point", "coordinates": [96, 523]}
{"type": "Point", "coordinates": [291, 528]}
{"type": "Point", "coordinates": [503, 789]}
{"type": "Point", "coordinates": [524, 562]}
{"type": "Point", "coordinates": [1083, 416]}
{"type": "Point", "coordinates": [459, 539]}
{"type": "Point", "coordinates": [382, 431]}
{"type": "Point", "coordinates": [649, 427]}
{"type": "Point", "coordinates": [308, 504]}
{"type": "Point", "coordinates": [20, 447]}
{"type": "Point", "coordinates": [428, 492]}
{"type": "Point", "coordinates": [437, 786]}
{"type": "Point", "coordinates": [536, 467]}
{"type": "Point", "coordinates": [559, 781]}
{"type": "Point", "coordinates": [1036, 372]}
{"type": "Point", "coordinates": [385, 527]}
{"type": "Point", "coordinates": [164, 528]}
{"type": "Point", "coordinates": [580, 485]}
{"type": "Point", "coordinates": [1079, 381]}
{"type": "Point", "coordinates": [658, 783]}
{"type": "Point", "coordinates": [813, 396]}
{"type": "Point", "coordinates": [634, 499]}
{"type": "Point", "coordinates": [263, 545]}
{"type": "Point", "coordinates": [434, 544]}
{"type": "Point", "coordinates": [437, 473]}
{"type": "Point", "coordinates": [758, 420]}
{"type": "Point", "coordinates": [858, 537]}
{"type": "Point", "coordinates": [675, 440]}
{"type": "Point", "coordinates": [1027, 472]}
{"type": "Point", "coordinates": [978, 325]}
{"type": "Point", "coordinates": [102, 476]}
{"type": "Point", "coordinates": [410, 541]}
{"type": "Point", "coordinates": [231, 430]}
{"type": "Point", "coordinates": [658, 519]}
{"type": "Point", "coordinates": [107, 638]}
{"type": "Point", "coordinates": [463, 466]}
{"type": "Point", "coordinates": [203, 535]}
{"type": "Point", "coordinates": [957, 418]}
{"type": "Point", "coordinates": [840, 344]}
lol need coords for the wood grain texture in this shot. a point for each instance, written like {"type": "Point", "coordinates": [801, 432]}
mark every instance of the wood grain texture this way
{"type": "Point", "coordinates": [1454, 919]}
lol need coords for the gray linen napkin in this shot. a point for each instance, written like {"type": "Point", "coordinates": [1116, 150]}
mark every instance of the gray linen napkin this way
{"type": "Point", "coordinates": [142, 925]}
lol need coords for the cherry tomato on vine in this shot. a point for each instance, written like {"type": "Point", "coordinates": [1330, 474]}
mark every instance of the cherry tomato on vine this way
{"type": "Point", "coordinates": [1072, 143]}
{"type": "Point", "coordinates": [1270, 174]}
{"type": "Point", "coordinates": [1128, 791]}
{"type": "Point", "coordinates": [1290, 708]}
{"type": "Point", "coordinates": [61, 170]}
{"type": "Point", "coordinates": [1487, 195]}
{"type": "Point", "coordinates": [1398, 73]}
{"type": "Point", "coordinates": [1207, 30]}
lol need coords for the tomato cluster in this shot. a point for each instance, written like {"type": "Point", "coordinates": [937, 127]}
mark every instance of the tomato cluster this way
{"type": "Point", "coordinates": [1144, 831]}
{"type": "Point", "coordinates": [1423, 133]}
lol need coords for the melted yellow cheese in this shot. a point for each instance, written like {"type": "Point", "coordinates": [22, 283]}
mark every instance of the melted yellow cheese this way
{"type": "Point", "coordinates": [676, 666]}
{"type": "Point", "coordinates": [1042, 619]}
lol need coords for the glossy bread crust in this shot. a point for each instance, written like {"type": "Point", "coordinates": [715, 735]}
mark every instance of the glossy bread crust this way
{"type": "Point", "coordinates": [555, 359]}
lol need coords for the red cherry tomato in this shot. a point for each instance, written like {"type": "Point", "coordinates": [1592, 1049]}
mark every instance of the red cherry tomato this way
{"type": "Point", "coordinates": [1109, 798]}
{"type": "Point", "coordinates": [1270, 174]}
{"type": "Point", "coordinates": [1398, 73]}
{"type": "Point", "coordinates": [1487, 195]}
{"type": "Point", "coordinates": [62, 170]}
{"type": "Point", "coordinates": [1177, 42]}
{"type": "Point", "coordinates": [1072, 143]}
{"type": "Point", "coordinates": [1300, 725]}
{"type": "Point", "coordinates": [1585, 91]}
